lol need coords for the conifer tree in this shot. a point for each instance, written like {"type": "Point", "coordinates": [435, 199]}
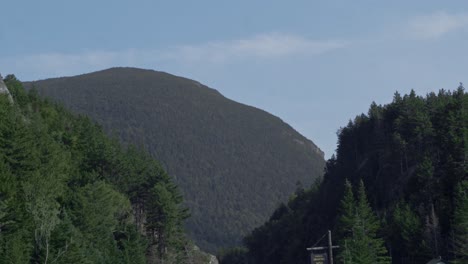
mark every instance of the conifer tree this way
{"type": "Point", "coordinates": [460, 241]}
{"type": "Point", "coordinates": [360, 244]}
{"type": "Point", "coordinates": [67, 192]}
{"type": "Point", "coordinates": [346, 222]}
{"type": "Point", "coordinates": [407, 233]}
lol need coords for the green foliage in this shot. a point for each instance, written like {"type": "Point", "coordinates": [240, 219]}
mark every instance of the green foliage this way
{"type": "Point", "coordinates": [460, 229]}
{"type": "Point", "coordinates": [347, 211]}
{"type": "Point", "coordinates": [205, 141]}
{"type": "Point", "coordinates": [233, 256]}
{"type": "Point", "coordinates": [68, 193]}
{"type": "Point", "coordinates": [163, 217]}
{"type": "Point", "coordinates": [281, 239]}
{"type": "Point", "coordinates": [411, 155]}
{"type": "Point", "coordinates": [360, 243]}
{"type": "Point", "coordinates": [16, 247]}
{"type": "Point", "coordinates": [16, 90]}
{"type": "Point", "coordinates": [406, 234]}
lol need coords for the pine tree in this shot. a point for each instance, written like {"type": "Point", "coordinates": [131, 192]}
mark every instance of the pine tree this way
{"type": "Point", "coordinates": [460, 241]}
{"type": "Point", "coordinates": [360, 226]}
{"type": "Point", "coordinates": [346, 223]}
{"type": "Point", "coordinates": [432, 232]}
{"type": "Point", "coordinates": [162, 218]}
{"type": "Point", "coordinates": [66, 190]}
{"type": "Point", "coordinates": [407, 233]}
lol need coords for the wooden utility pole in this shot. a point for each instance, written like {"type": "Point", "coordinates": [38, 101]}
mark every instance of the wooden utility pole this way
{"type": "Point", "coordinates": [330, 248]}
{"type": "Point", "coordinates": [320, 255]}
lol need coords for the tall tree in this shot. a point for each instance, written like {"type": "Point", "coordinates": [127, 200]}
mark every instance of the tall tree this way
{"type": "Point", "coordinates": [67, 191]}
{"type": "Point", "coordinates": [460, 229]}
{"type": "Point", "coordinates": [406, 233]}
{"type": "Point", "coordinates": [361, 245]}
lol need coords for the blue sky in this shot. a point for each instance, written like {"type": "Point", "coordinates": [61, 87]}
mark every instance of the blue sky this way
{"type": "Point", "coordinates": [315, 64]}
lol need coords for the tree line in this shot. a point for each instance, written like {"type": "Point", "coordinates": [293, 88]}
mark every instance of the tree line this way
{"type": "Point", "coordinates": [70, 194]}
{"type": "Point", "coordinates": [395, 192]}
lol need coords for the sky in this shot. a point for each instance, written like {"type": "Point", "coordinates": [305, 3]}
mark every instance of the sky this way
{"type": "Point", "coordinates": [314, 64]}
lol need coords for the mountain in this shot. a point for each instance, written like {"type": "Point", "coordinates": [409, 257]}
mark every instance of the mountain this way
{"type": "Point", "coordinates": [233, 163]}
{"type": "Point", "coordinates": [410, 157]}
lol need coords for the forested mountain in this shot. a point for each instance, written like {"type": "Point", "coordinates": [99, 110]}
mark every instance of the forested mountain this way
{"type": "Point", "coordinates": [69, 194]}
{"type": "Point", "coordinates": [233, 163]}
{"type": "Point", "coordinates": [397, 190]}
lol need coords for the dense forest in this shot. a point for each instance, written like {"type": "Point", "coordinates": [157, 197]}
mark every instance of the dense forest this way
{"type": "Point", "coordinates": [69, 194]}
{"type": "Point", "coordinates": [396, 191]}
{"type": "Point", "coordinates": [233, 163]}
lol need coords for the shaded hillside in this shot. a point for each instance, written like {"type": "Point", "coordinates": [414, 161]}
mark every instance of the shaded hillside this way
{"type": "Point", "coordinates": [412, 156]}
{"type": "Point", "coordinates": [234, 163]}
{"type": "Point", "coordinates": [69, 194]}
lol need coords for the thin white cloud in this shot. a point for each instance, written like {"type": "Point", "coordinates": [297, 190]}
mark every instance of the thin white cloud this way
{"type": "Point", "coordinates": [260, 47]}
{"type": "Point", "coordinates": [63, 64]}
{"type": "Point", "coordinates": [436, 25]}
{"type": "Point", "coordinates": [265, 46]}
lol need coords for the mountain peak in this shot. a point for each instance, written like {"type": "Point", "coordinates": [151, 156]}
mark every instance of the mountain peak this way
{"type": "Point", "coordinates": [233, 163]}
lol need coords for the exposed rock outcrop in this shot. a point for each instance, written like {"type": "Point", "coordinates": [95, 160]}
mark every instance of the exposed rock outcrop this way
{"type": "Point", "coordinates": [4, 89]}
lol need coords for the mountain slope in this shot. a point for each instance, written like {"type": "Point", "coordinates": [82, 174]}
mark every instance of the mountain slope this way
{"type": "Point", "coordinates": [233, 163]}
{"type": "Point", "coordinates": [70, 194]}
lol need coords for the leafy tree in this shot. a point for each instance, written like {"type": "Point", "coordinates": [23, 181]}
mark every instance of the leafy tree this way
{"type": "Point", "coordinates": [16, 247]}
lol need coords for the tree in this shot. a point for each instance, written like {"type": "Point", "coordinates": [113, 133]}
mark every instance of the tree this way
{"type": "Point", "coordinates": [360, 244]}
{"type": "Point", "coordinates": [460, 229]}
{"type": "Point", "coordinates": [162, 218]}
{"type": "Point", "coordinates": [66, 189]}
{"type": "Point", "coordinates": [407, 235]}
{"type": "Point", "coordinates": [432, 232]}
{"type": "Point", "coordinates": [347, 221]}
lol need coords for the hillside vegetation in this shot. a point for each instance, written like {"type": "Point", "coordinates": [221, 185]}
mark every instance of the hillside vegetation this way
{"type": "Point", "coordinates": [397, 190]}
{"type": "Point", "coordinates": [233, 163]}
{"type": "Point", "coordinates": [69, 194]}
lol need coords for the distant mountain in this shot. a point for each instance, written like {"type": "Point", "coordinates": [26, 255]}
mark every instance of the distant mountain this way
{"type": "Point", "coordinates": [233, 163]}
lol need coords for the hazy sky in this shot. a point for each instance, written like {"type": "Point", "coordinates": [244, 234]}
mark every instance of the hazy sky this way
{"type": "Point", "coordinates": [315, 64]}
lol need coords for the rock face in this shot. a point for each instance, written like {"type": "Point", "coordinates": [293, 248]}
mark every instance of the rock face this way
{"type": "Point", "coordinates": [213, 260]}
{"type": "Point", "coordinates": [4, 89]}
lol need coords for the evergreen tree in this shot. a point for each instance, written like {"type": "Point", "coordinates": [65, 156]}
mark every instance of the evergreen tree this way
{"type": "Point", "coordinates": [162, 217]}
{"type": "Point", "coordinates": [361, 245]}
{"type": "Point", "coordinates": [346, 222]}
{"type": "Point", "coordinates": [411, 154]}
{"type": "Point", "coordinates": [460, 229]}
{"type": "Point", "coordinates": [407, 235]}
{"type": "Point", "coordinates": [67, 192]}
{"type": "Point", "coordinates": [347, 211]}
{"type": "Point", "coordinates": [432, 232]}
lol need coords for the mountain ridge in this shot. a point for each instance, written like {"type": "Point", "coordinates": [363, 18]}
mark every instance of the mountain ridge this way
{"type": "Point", "coordinates": [233, 162]}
